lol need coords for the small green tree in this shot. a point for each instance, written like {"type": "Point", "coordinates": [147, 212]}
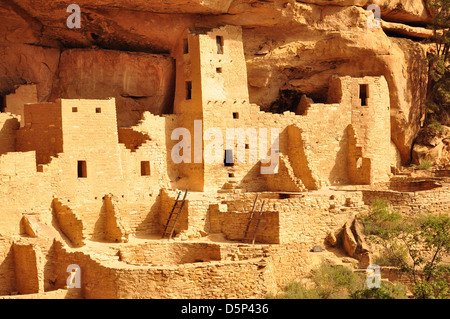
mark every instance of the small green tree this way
{"type": "Point", "coordinates": [417, 246]}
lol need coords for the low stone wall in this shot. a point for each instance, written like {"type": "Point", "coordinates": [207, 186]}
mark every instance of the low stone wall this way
{"type": "Point", "coordinates": [233, 225]}
{"type": "Point", "coordinates": [73, 293]}
{"type": "Point", "coordinates": [288, 218]}
{"type": "Point", "coordinates": [216, 279]}
{"type": "Point", "coordinates": [413, 185]}
{"type": "Point", "coordinates": [436, 200]}
{"type": "Point", "coordinates": [169, 253]}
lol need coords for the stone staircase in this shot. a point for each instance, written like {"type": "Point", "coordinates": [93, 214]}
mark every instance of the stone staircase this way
{"type": "Point", "coordinates": [291, 174]}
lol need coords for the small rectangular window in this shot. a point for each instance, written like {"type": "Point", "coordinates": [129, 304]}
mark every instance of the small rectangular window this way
{"type": "Point", "coordinates": [228, 160]}
{"type": "Point", "coordinates": [98, 110]}
{"type": "Point", "coordinates": [188, 90]}
{"type": "Point", "coordinates": [218, 70]}
{"type": "Point", "coordinates": [185, 46]}
{"type": "Point", "coordinates": [363, 94]}
{"type": "Point", "coordinates": [145, 168]}
{"type": "Point", "coordinates": [219, 42]}
{"type": "Point", "coordinates": [236, 115]}
{"type": "Point", "coordinates": [74, 109]}
{"type": "Point", "coordinates": [82, 169]}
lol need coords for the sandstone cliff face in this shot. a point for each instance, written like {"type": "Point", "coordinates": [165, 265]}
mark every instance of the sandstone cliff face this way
{"type": "Point", "coordinates": [292, 48]}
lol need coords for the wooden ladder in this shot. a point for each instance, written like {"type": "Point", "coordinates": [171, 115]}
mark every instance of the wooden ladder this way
{"type": "Point", "coordinates": [250, 232]}
{"type": "Point", "coordinates": [173, 216]}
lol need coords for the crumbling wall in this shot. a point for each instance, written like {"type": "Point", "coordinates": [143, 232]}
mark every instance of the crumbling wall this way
{"type": "Point", "coordinates": [300, 158]}
{"type": "Point", "coordinates": [8, 126]}
{"type": "Point", "coordinates": [159, 128]}
{"type": "Point", "coordinates": [69, 223]}
{"type": "Point", "coordinates": [22, 190]}
{"type": "Point", "coordinates": [284, 180]}
{"type": "Point", "coordinates": [325, 125]}
{"type": "Point", "coordinates": [27, 263]}
{"type": "Point", "coordinates": [114, 230]}
{"type": "Point", "coordinates": [15, 101]}
{"type": "Point", "coordinates": [97, 281]}
{"type": "Point", "coordinates": [359, 167]}
{"type": "Point", "coordinates": [7, 267]}
{"type": "Point", "coordinates": [42, 131]}
{"type": "Point", "coordinates": [131, 138]}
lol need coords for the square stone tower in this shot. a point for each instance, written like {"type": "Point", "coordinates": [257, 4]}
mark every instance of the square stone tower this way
{"type": "Point", "coordinates": [210, 66]}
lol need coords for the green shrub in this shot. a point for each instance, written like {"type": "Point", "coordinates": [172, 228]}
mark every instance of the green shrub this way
{"type": "Point", "coordinates": [388, 290]}
{"type": "Point", "coordinates": [296, 290]}
{"type": "Point", "coordinates": [437, 289]}
{"type": "Point", "coordinates": [336, 282]}
{"type": "Point", "coordinates": [330, 282]}
{"type": "Point", "coordinates": [380, 219]}
{"type": "Point", "coordinates": [371, 293]}
{"type": "Point", "coordinates": [436, 125]}
{"type": "Point", "coordinates": [424, 164]}
{"type": "Point", "coordinates": [396, 256]}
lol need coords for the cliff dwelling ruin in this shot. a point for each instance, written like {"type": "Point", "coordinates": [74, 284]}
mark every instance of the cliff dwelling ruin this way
{"type": "Point", "coordinates": [92, 181]}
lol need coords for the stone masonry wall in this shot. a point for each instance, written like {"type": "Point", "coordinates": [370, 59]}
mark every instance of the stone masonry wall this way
{"type": "Point", "coordinates": [232, 279]}
{"type": "Point", "coordinates": [42, 131]}
{"type": "Point", "coordinates": [233, 225]}
{"type": "Point", "coordinates": [7, 270]}
{"type": "Point", "coordinates": [8, 126]}
{"type": "Point", "coordinates": [164, 253]}
{"type": "Point", "coordinates": [436, 200]}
